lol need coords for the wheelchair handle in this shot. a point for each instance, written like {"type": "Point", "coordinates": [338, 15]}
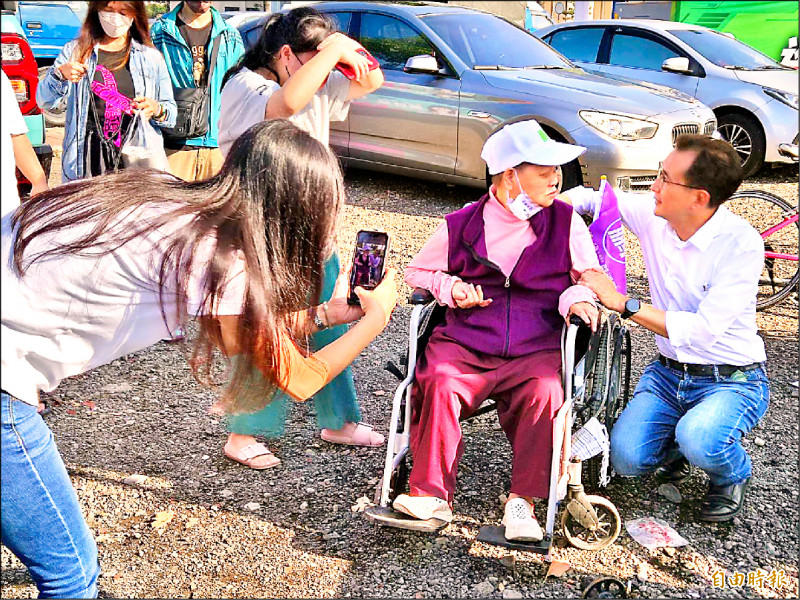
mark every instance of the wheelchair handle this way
{"type": "Point", "coordinates": [576, 320]}
{"type": "Point", "coordinates": [420, 296]}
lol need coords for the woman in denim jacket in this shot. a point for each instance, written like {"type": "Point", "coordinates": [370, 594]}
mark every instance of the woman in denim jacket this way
{"type": "Point", "coordinates": [110, 28]}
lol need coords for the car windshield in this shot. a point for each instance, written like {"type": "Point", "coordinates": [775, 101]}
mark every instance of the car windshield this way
{"type": "Point", "coordinates": [483, 40]}
{"type": "Point", "coordinates": [726, 52]}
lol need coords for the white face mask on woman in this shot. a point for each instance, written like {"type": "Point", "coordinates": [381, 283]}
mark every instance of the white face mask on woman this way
{"type": "Point", "coordinates": [114, 24]}
{"type": "Point", "coordinates": [522, 206]}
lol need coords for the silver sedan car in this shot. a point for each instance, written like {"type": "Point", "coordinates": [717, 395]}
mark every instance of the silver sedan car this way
{"type": "Point", "coordinates": [454, 75]}
{"type": "Point", "coordinates": [753, 97]}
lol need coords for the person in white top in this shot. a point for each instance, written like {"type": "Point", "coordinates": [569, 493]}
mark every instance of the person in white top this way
{"type": "Point", "coordinates": [709, 386]}
{"type": "Point", "coordinates": [16, 151]}
{"type": "Point", "coordinates": [291, 72]}
{"type": "Point", "coordinates": [99, 268]}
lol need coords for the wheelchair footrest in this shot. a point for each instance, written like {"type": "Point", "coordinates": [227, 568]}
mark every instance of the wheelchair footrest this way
{"type": "Point", "coordinates": [384, 515]}
{"type": "Point", "coordinates": [495, 535]}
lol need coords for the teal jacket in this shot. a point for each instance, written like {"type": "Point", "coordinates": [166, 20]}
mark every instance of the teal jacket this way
{"type": "Point", "coordinates": [169, 41]}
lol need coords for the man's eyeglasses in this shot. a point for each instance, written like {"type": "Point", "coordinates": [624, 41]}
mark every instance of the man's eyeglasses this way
{"type": "Point", "coordinates": [662, 177]}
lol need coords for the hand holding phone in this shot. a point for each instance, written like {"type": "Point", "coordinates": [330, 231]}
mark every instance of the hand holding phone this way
{"type": "Point", "coordinates": [381, 301]}
{"type": "Point", "coordinates": [349, 72]}
{"type": "Point", "coordinates": [369, 262]}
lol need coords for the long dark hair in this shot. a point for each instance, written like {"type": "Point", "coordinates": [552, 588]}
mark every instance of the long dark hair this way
{"type": "Point", "coordinates": [302, 29]}
{"type": "Point", "coordinates": [274, 205]}
{"type": "Point", "coordinates": [92, 31]}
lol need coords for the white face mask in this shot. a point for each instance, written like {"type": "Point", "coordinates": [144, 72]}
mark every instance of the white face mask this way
{"type": "Point", "coordinates": [114, 24]}
{"type": "Point", "coordinates": [522, 206]}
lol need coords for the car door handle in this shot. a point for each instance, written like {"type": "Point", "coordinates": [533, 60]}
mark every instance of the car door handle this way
{"type": "Point", "coordinates": [479, 114]}
{"type": "Point", "coordinates": [33, 25]}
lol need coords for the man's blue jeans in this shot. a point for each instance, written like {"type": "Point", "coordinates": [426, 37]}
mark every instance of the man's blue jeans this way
{"type": "Point", "coordinates": [702, 417]}
{"type": "Point", "coordinates": [41, 518]}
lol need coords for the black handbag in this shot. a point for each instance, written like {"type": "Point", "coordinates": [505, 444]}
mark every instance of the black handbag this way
{"type": "Point", "coordinates": [194, 106]}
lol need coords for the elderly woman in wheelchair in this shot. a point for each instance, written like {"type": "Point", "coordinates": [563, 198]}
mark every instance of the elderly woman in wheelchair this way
{"type": "Point", "coordinates": [505, 267]}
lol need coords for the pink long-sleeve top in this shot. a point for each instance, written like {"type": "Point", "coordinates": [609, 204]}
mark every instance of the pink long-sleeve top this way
{"type": "Point", "coordinates": [506, 238]}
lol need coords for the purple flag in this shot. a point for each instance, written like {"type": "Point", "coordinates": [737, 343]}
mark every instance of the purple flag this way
{"type": "Point", "coordinates": [609, 237]}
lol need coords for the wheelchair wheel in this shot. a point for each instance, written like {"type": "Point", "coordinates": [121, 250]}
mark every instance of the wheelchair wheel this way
{"type": "Point", "coordinates": [606, 532]}
{"type": "Point", "coordinates": [596, 386]}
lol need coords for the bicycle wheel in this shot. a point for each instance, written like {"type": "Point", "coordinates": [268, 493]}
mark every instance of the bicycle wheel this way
{"type": "Point", "coordinates": [764, 211]}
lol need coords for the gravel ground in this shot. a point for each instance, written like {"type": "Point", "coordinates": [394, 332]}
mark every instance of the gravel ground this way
{"type": "Point", "coordinates": [202, 526]}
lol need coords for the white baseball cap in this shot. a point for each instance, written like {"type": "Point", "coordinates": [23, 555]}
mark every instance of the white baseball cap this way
{"type": "Point", "coordinates": [525, 142]}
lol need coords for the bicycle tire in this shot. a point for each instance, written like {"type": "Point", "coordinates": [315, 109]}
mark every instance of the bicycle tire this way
{"type": "Point", "coordinates": [763, 210]}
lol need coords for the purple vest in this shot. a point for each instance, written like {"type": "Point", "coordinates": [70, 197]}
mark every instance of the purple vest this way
{"type": "Point", "coordinates": [523, 317]}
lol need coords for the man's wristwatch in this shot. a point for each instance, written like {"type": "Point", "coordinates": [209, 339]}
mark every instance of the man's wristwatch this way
{"type": "Point", "coordinates": [632, 306]}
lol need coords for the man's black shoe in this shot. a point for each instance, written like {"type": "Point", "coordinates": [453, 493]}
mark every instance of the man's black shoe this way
{"type": "Point", "coordinates": [675, 471]}
{"type": "Point", "coordinates": [723, 502]}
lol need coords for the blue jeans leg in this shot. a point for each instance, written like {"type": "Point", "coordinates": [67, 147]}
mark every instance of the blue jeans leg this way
{"type": "Point", "coordinates": [643, 436]}
{"type": "Point", "coordinates": [722, 411]}
{"type": "Point", "coordinates": [42, 522]}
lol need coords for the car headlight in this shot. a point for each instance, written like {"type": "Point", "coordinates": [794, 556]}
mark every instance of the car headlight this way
{"type": "Point", "coordinates": [781, 96]}
{"type": "Point", "coordinates": [619, 127]}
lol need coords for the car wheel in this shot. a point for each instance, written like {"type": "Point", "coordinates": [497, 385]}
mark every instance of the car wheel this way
{"type": "Point", "coordinates": [744, 134]}
{"type": "Point", "coordinates": [52, 118]}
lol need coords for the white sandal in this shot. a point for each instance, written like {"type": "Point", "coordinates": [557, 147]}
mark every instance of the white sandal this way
{"type": "Point", "coordinates": [245, 455]}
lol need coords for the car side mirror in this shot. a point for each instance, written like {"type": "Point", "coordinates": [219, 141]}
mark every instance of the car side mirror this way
{"type": "Point", "coordinates": [677, 64]}
{"type": "Point", "coordinates": [424, 63]}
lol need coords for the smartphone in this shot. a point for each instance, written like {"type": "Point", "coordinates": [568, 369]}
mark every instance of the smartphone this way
{"type": "Point", "coordinates": [369, 262]}
{"type": "Point", "coordinates": [347, 70]}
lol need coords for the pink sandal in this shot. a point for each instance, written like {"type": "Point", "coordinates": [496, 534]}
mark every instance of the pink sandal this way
{"type": "Point", "coordinates": [362, 435]}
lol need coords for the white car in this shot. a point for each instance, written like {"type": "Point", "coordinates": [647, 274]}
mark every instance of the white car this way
{"type": "Point", "coordinates": [753, 97]}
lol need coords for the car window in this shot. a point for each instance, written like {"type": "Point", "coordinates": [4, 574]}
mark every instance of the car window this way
{"type": "Point", "coordinates": [251, 36]}
{"type": "Point", "coordinates": [635, 51]}
{"type": "Point", "coordinates": [391, 41]}
{"type": "Point", "coordinates": [481, 39]}
{"type": "Point", "coordinates": [342, 20]}
{"type": "Point", "coordinates": [578, 44]}
{"type": "Point", "coordinates": [724, 51]}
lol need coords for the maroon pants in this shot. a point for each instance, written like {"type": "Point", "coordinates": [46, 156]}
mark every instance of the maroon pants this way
{"type": "Point", "coordinates": [452, 382]}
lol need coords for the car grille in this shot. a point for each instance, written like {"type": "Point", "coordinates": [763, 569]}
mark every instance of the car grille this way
{"type": "Point", "coordinates": [640, 183]}
{"type": "Point", "coordinates": [684, 128]}
{"type": "Point", "coordinates": [710, 127]}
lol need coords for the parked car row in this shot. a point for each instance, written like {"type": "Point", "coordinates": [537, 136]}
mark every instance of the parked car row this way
{"type": "Point", "coordinates": [753, 97]}
{"type": "Point", "coordinates": [453, 75]}
{"type": "Point", "coordinates": [20, 67]}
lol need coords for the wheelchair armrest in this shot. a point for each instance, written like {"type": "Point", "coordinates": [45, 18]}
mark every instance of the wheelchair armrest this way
{"type": "Point", "coordinates": [420, 296]}
{"type": "Point", "coordinates": [576, 320]}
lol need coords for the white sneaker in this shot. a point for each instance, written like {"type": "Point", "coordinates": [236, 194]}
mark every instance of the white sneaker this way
{"type": "Point", "coordinates": [521, 524]}
{"type": "Point", "coordinates": [423, 507]}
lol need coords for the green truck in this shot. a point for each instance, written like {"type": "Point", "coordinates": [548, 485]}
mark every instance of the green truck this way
{"type": "Point", "coordinates": [770, 27]}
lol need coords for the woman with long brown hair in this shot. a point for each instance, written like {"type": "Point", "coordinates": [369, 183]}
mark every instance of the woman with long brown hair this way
{"type": "Point", "coordinates": [107, 73]}
{"type": "Point", "coordinates": [99, 268]}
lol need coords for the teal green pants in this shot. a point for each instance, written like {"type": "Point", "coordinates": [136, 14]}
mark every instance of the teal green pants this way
{"type": "Point", "coordinates": [335, 404]}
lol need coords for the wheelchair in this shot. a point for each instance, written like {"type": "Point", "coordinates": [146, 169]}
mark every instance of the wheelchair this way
{"type": "Point", "coordinates": [596, 369]}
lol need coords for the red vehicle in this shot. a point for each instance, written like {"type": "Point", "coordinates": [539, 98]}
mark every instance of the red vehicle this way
{"type": "Point", "coordinates": [23, 73]}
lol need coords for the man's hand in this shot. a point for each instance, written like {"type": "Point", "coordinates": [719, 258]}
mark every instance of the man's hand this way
{"type": "Point", "coordinates": [600, 283]}
{"type": "Point", "coordinates": [587, 312]}
{"type": "Point", "coordinates": [466, 295]}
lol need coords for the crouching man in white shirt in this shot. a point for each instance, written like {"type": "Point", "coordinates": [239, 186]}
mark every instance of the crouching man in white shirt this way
{"type": "Point", "coordinates": [709, 386]}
